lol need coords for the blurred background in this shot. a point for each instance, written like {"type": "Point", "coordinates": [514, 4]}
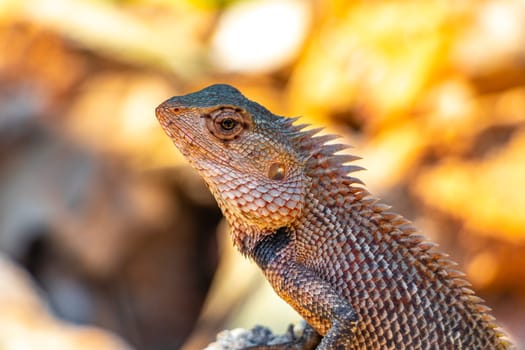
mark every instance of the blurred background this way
{"type": "Point", "coordinates": [109, 241]}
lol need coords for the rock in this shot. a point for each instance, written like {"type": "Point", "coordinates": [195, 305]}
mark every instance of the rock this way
{"type": "Point", "coordinates": [239, 338]}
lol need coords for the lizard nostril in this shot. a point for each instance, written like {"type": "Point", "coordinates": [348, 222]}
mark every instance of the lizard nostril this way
{"type": "Point", "coordinates": [164, 111]}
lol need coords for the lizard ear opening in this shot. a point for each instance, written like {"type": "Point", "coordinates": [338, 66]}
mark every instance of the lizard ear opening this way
{"type": "Point", "coordinates": [277, 171]}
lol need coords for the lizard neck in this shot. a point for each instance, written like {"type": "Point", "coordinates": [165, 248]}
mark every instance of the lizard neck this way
{"type": "Point", "coordinates": [244, 236]}
{"type": "Point", "coordinates": [323, 201]}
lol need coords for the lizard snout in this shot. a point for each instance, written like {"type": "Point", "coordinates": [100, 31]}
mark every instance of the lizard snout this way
{"type": "Point", "coordinates": [167, 110]}
{"type": "Point", "coordinates": [161, 112]}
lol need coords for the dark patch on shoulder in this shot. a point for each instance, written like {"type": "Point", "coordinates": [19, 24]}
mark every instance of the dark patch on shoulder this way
{"type": "Point", "coordinates": [266, 250]}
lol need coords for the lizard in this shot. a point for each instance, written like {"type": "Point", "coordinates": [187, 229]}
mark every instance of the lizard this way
{"type": "Point", "coordinates": [359, 274]}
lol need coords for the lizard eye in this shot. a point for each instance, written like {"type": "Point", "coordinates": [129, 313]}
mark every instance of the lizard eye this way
{"type": "Point", "coordinates": [226, 123]}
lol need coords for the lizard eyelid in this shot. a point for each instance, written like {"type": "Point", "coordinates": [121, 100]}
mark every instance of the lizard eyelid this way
{"type": "Point", "coordinates": [226, 123]}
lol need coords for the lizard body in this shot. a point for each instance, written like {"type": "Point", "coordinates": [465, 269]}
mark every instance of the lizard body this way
{"type": "Point", "coordinates": [355, 271]}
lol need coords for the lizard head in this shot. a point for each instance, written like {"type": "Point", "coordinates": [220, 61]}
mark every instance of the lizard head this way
{"type": "Point", "coordinates": [244, 154]}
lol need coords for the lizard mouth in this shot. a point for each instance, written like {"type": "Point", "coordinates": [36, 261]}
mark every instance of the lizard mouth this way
{"type": "Point", "coordinates": [180, 137]}
{"type": "Point", "coordinates": [186, 141]}
{"type": "Point", "coordinates": [183, 130]}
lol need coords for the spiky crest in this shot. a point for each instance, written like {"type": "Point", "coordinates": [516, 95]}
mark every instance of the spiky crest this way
{"type": "Point", "coordinates": [330, 169]}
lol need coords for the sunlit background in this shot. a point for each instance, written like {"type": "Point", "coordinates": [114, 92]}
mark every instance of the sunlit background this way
{"type": "Point", "coordinates": [109, 241]}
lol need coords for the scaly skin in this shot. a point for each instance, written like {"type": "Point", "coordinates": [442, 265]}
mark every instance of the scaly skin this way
{"type": "Point", "coordinates": [356, 272]}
